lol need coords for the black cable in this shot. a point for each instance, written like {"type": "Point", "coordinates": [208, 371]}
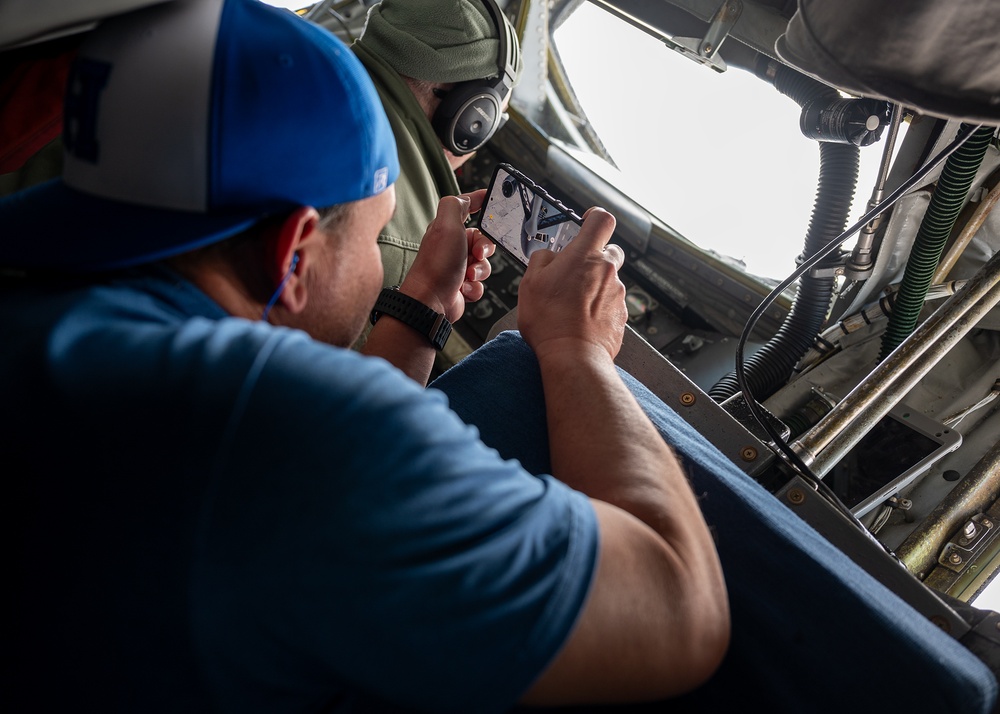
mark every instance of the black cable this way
{"type": "Point", "coordinates": [785, 451]}
{"type": "Point", "coordinates": [771, 366]}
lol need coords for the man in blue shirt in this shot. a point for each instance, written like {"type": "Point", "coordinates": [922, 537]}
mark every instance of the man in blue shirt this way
{"type": "Point", "coordinates": [218, 506]}
{"type": "Point", "coordinates": [237, 512]}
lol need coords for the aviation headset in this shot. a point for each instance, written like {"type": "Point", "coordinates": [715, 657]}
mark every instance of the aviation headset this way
{"type": "Point", "coordinates": [470, 113]}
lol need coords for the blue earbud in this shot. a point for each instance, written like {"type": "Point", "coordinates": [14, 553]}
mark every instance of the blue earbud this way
{"type": "Point", "coordinates": [281, 286]}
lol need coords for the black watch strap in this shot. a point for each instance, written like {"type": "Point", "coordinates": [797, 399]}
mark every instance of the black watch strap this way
{"type": "Point", "coordinates": [414, 313]}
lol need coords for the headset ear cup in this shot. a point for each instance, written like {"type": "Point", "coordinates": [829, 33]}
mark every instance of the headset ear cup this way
{"type": "Point", "coordinates": [468, 116]}
{"type": "Point", "coordinates": [472, 112]}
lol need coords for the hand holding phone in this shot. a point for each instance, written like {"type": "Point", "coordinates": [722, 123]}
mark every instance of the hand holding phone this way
{"type": "Point", "coordinates": [522, 218]}
{"type": "Point", "coordinates": [575, 300]}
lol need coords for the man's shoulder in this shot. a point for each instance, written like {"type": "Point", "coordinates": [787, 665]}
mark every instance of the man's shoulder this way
{"type": "Point", "coordinates": [160, 337]}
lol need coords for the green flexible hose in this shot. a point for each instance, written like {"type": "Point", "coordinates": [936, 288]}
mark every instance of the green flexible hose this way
{"type": "Point", "coordinates": [939, 220]}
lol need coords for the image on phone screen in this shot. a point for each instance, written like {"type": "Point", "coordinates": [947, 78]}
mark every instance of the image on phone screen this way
{"type": "Point", "coordinates": [522, 218]}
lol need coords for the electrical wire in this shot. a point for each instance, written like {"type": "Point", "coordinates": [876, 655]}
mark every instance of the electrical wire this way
{"type": "Point", "coordinates": [955, 419]}
{"type": "Point", "coordinates": [784, 450]}
{"type": "Point", "coordinates": [881, 519]}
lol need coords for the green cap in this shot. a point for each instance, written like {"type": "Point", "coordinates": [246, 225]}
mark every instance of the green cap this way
{"type": "Point", "coordinates": [436, 40]}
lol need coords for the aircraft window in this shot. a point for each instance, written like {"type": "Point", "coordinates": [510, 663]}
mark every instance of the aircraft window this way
{"type": "Point", "coordinates": [717, 156]}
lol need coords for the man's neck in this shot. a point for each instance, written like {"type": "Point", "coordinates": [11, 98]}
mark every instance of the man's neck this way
{"type": "Point", "coordinates": [218, 279]}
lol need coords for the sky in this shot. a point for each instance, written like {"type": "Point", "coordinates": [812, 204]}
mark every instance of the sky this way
{"type": "Point", "coordinates": [719, 157]}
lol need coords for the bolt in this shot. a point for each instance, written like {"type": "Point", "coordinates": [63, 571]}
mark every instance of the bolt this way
{"type": "Point", "coordinates": [796, 496]}
{"type": "Point", "coordinates": [748, 453]}
{"type": "Point", "coordinates": [708, 48]}
{"type": "Point", "coordinates": [688, 399]}
{"type": "Point", "coordinates": [986, 523]}
{"type": "Point", "coordinates": [941, 622]}
{"type": "Point", "coordinates": [955, 559]}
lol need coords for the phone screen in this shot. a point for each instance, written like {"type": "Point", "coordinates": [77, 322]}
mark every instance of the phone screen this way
{"type": "Point", "coordinates": [522, 218]}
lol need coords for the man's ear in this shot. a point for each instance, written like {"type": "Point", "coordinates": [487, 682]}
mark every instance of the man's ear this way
{"type": "Point", "coordinates": [292, 247]}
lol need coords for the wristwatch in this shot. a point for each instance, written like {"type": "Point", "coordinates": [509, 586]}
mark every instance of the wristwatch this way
{"type": "Point", "coordinates": [414, 313]}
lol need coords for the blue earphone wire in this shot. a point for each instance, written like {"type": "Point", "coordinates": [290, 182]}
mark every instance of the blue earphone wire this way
{"type": "Point", "coordinates": [281, 286]}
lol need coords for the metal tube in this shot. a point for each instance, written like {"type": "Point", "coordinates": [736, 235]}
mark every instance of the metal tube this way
{"type": "Point", "coordinates": [965, 237]}
{"type": "Point", "coordinates": [973, 494]}
{"type": "Point", "coordinates": [860, 264]}
{"type": "Point", "coordinates": [890, 145]}
{"type": "Point", "coordinates": [823, 446]}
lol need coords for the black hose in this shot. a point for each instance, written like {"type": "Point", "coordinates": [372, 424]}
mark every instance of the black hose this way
{"type": "Point", "coordinates": [949, 196]}
{"type": "Point", "coordinates": [801, 88]}
{"type": "Point", "coordinates": [772, 365]}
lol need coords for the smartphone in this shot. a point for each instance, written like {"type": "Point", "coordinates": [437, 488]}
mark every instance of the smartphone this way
{"type": "Point", "coordinates": [521, 217]}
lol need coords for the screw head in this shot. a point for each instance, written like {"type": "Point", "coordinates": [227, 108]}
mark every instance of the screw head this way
{"type": "Point", "coordinates": [748, 453]}
{"type": "Point", "coordinates": [954, 558]}
{"type": "Point", "coordinates": [940, 622]}
{"type": "Point", "coordinates": [688, 399]}
{"type": "Point", "coordinates": [796, 496]}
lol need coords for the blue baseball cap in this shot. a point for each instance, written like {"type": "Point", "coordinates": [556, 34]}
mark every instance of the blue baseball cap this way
{"type": "Point", "coordinates": [189, 121]}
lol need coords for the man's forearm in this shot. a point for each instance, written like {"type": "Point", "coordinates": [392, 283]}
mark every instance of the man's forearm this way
{"type": "Point", "coordinates": [403, 347]}
{"type": "Point", "coordinates": [656, 621]}
{"type": "Point", "coordinates": [603, 444]}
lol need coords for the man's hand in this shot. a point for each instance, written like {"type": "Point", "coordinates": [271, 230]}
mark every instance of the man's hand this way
{"type": "Point", "coordinates": [574, 298]}
{"type": "Point", "coordinates": [448, 272]}
{"type": "Point", "coordinates": [453, 260]}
